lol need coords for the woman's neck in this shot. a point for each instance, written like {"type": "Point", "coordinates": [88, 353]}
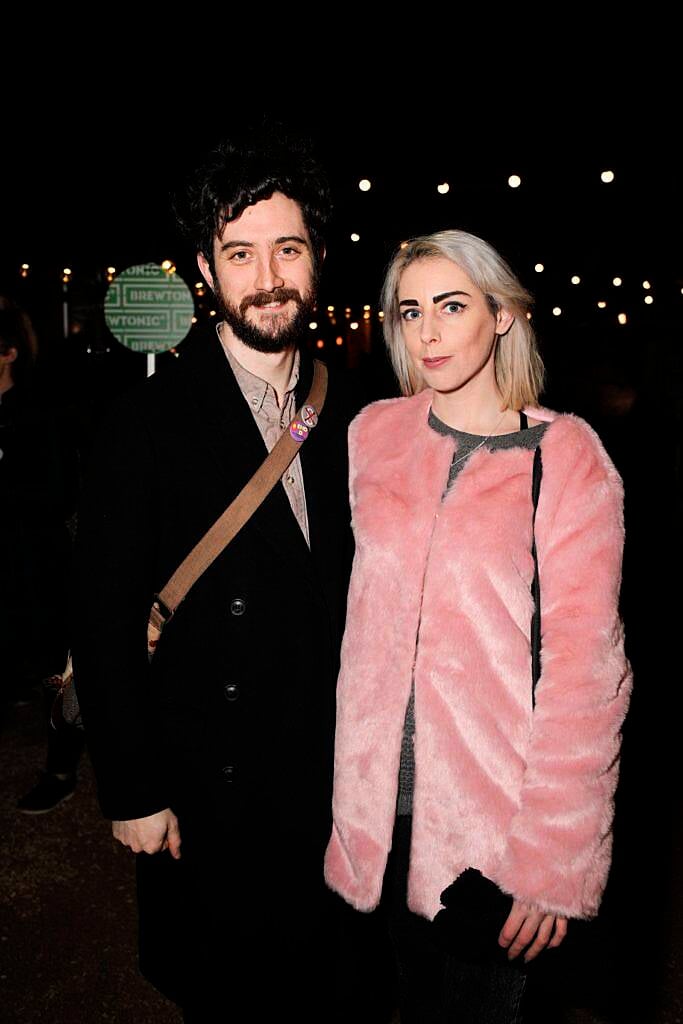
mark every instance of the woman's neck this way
{"type": "Point", "coordinates": [477, 412]}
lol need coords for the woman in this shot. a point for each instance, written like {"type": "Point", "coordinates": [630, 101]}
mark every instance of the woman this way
{"type": "Point", "coordinates": [447, 754]}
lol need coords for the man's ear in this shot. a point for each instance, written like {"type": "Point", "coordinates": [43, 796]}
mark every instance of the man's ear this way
{"type": "Point", "coordinates": [504, 321]}
{"type": "Point", "coordinates": [204, 270]}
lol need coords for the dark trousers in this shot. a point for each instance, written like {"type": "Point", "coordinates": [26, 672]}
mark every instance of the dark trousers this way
{"type": "Point", "coordinates": [433, 987]}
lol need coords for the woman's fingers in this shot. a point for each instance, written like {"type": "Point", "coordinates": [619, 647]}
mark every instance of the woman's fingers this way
{"type": "Point", "coordinates": [560, 932]}
{"type": "Point", "coordinates": [543, 934]}
{"type": "Point", "coordinates": [526, 927]}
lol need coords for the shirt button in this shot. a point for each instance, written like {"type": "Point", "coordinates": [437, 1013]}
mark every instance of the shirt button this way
{"type": "Point", "coordinates": [290, 479]}
{"type": "Point", "coordinates": [228, 773]}
{"type": "Point", "coordinates": [254, 400]}
{"type": "Point", "coordinates": [238, 606]}
{"type": "Point", "coordinates": [231, 691]}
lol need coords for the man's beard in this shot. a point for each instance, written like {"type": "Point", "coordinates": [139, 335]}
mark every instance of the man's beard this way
{"type": "Point", "coordinates": [285, 334]}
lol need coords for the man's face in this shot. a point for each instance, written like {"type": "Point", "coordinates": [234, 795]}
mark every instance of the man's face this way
{"type": "Point", "coordinates": [265, 274]}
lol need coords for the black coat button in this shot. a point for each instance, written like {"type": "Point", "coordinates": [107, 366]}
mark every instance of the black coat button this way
{"type": "Point", "coordinates": [238, 606]}
{"type": "Point", "coordinates": [231, 691]}
{"type": "Point", "coordinates": [228, 773]}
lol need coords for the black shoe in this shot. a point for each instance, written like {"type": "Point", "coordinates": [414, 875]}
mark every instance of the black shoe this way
{"type": "Point", "coordinates": [48, 794]}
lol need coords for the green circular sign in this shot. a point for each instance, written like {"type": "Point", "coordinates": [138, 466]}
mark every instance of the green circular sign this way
{"type": "Point", "coordinates": [148, 309]}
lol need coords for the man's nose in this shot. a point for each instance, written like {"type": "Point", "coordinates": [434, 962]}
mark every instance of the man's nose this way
{"type": "Point", "coordinates": [268, 277]}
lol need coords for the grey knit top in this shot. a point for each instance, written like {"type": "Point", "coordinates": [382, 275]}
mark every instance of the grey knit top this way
{"type": "Point", "coordinates": [467, 443]}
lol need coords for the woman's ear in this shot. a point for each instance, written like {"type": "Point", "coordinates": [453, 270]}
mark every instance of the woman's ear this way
{"type": "Point", "coordinates": [504, 321]}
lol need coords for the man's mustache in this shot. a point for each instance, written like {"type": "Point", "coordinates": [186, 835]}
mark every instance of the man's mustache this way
{"type": "Point", "coordinates": [263, 298]}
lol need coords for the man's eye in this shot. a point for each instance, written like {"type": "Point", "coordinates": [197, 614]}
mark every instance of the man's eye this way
{"type": "Point", "coordinates": [239, 256]}
{"type": "Point", "coordinates": [411, 314]}
{"type": "Point", "coordinates": [289, 250]}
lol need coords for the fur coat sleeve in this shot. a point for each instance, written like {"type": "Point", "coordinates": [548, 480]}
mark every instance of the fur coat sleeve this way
{"type": "Point", "coordinates": [558, 847]}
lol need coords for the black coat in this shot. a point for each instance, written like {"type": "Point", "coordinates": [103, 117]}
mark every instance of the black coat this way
{"type": "Point", "coordinates": [232, 723]}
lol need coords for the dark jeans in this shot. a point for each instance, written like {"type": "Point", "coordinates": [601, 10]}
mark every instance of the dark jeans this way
{"type": "Point", "coordinates": [434, 987]}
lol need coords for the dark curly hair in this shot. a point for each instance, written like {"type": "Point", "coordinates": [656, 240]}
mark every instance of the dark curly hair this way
{"type": "Point", "coordinates": [244, 169]}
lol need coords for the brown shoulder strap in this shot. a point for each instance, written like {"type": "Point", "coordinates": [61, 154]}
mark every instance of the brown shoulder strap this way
{"type": "Point", "coordinates": [217, 538]}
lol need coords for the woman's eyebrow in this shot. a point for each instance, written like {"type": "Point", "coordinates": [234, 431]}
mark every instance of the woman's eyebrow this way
{"type": "Point", "coordinates": [445, 295]}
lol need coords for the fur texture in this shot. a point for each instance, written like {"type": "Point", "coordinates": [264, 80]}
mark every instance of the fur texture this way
{"type": "Point", "coordinates": [441, 591]}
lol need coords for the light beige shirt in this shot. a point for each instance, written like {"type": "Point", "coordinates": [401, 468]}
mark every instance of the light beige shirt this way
{"type": "Point", "coordinates": [272, 421]}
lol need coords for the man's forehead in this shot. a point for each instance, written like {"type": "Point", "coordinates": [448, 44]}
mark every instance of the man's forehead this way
{"type": "Point", "coordinates": [268, 219]}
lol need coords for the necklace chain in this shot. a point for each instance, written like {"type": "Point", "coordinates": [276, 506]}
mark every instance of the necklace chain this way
{"type": "Point", "coordinates": [482, 442]}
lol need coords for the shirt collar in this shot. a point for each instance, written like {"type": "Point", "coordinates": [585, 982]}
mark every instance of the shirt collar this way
{"type": "Point", "coordinates": [255, 389]}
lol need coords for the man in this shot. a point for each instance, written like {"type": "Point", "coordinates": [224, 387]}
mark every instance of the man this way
{"type": "Point", "coordinates": [214, 761]}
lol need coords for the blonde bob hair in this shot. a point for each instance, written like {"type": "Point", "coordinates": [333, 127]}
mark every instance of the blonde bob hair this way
{"type": "Point", "coordinates": [518, 365]}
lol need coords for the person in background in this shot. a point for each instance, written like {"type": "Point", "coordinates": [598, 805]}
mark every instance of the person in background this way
{"type": "Point", "coordinates": [34, 515]}
{"type": "Point", "coordinates": [455, 749]}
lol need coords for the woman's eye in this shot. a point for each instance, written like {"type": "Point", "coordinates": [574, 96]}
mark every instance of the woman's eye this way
{"type": "Point", "coordinates": [411, 314]}
{"type": "Point", "coordinates": [453, 307]}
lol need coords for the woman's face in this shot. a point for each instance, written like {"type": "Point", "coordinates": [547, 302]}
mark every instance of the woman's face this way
{"type": "Point", "coordinates": [449, 328]}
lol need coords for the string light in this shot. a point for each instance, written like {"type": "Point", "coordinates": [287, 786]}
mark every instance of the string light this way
{"type": "Point", "coordinates": [24, 269]}
{"type": "Point", "coordinates": [366, 308]}
{"type": "Point", "coordinates": [647, 285]}
{"type": "Point", "coordinates": [313, 325]}
{"type": "Point", "coordinates": [576, 279]}
{"type": "Point", "coordinates": [381, 314]}
{"type": "Point", "coordinates": [443, 188]}
{"type": "Point", "coordinates": [66, 275]}
{"type": "Point", "coordinates": [353, 325]}
{"type": "Point", "coordinates": [607, 177]}
{"type": "Point", "coordinates": [539, 268]}
{"type": "Point", "coordinates": [648, 300]}
{"type": "Point", "coordinates": [330, 309]}
{"type": "Point", "coordinates": [557, 311]}
{"type": "Point", "coordinates": [514, 181]}
{"type": "Point", "coordinates": [339, 341]}
{"type": "Point", "coordinates": [617, 282]}
{"type": "Point", "coordinates": [355, 237]}
{"type": "Point", "coordinates": [166, 265]}
{"type": "Point", "coordinates": [320, 343]}
{"type": "Point", "coordinates": [212, 312]}
{"type": "Point", "coordinates": [364, 185]}
{"type": "Point", "coordinates": [194, 319]}
{"type": "Point", "coordinates": [622, 318]}
{"type": "Point", "coordinates": [602, 305]}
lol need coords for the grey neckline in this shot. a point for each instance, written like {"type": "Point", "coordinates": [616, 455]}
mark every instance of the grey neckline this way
{"type": "Point", "coordinates": [443, 428]}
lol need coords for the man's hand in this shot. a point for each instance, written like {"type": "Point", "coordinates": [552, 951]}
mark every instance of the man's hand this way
{"type": "Point", "coordinates": [528, 927]}
{"type": "Point", "coordinates": [151, 834]}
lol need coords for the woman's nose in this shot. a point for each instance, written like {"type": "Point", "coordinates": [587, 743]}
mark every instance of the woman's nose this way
{"type": "Point", "coordinates": [429, 331]}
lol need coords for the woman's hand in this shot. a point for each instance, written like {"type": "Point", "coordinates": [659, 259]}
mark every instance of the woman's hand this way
{"type": "Point", "coordinates": [526, 926]}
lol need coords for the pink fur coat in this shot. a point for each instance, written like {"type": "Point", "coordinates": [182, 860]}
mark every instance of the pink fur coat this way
{"type": "Point", "coordinates": [525, 796]}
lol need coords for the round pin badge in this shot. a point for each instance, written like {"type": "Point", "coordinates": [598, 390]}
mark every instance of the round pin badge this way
{"type": "Point", "coordinates": [298, 430]}
{"type": "Point", "coordinates": [309, 415]}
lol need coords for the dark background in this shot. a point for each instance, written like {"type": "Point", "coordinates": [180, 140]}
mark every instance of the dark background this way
{"type": "Point", "coordinates": [88, 167]}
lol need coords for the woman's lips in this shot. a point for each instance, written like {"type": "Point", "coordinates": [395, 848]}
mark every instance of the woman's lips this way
{"type": "Point", "coordinates": [436, 361]}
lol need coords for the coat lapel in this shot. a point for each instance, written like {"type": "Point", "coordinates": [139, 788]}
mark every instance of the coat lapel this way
{"type": "Point", "coordinates": [231, 434]}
